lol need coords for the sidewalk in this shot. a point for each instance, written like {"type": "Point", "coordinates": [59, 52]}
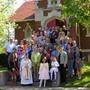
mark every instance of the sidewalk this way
{"type": "Point", "coordinates": [36, 88]}
{"type": "Point", "coordinates": [17, 86]}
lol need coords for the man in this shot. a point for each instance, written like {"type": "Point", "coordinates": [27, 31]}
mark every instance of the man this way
{"type": "Point", "coordinates": [63, 64]}
{"type": "Point", "coordinates": [26, 71]}
{"type": "Point", "coordinates": [9, 46]}
{"type": "Point", "coordinates": [74, 49]}
{"type": "Point", "coordinates": [35, 58]}
{"type": "Point", "coordinates": [65, 30]}
{"type": "Point", "coordinates": [54, 52]}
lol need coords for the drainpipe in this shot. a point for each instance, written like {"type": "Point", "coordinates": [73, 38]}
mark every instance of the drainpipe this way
{"type": "Point", "coordinates": [78, 34]}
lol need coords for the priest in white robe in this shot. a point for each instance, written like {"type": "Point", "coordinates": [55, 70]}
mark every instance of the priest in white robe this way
{"type": "Point", "coordinates": [26, 71]}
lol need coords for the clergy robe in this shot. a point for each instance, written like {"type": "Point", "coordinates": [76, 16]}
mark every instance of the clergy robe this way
{"type": "Point", "coordinates": [26, 72]}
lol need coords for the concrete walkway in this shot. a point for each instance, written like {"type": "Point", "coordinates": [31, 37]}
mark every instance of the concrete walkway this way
{"type": "Point", "coordinates": [17, 86]}
{"type": "Point", "coordinates": [36, 88]}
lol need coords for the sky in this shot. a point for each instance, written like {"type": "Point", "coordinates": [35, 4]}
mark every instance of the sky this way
{"type": "Point", "coordinates": [18, 3]}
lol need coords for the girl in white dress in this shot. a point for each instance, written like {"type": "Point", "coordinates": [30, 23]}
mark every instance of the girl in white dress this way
{"type": "Point", "coordinates": [54, 68]}
{"type": "Point", "coordinates": [26, 71]}
{"type": "Point", "coordinates": [43, 72]}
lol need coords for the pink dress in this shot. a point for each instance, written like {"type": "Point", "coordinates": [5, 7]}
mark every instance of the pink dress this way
{"type": "Point", "coordinates": [44, 71]}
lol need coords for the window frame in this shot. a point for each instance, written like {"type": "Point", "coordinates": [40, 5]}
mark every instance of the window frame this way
{"type": "Point", "coordinates": [88, 32]}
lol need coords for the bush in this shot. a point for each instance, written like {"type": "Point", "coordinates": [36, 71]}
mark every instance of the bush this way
{"type": "Point", "coordinates": [3, 60]}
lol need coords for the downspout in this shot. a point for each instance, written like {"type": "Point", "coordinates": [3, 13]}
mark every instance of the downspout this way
{"type": "Point", "coordinates": [78, 34]}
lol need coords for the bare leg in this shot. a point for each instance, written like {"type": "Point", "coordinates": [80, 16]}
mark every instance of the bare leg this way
{"type": "Point", "coordinates": [44, 83]}
{"type": "Point", "coordinates": [40, 83]}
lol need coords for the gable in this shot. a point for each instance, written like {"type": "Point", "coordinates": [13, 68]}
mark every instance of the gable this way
{"type": "Point", "coordinates": [26, 11]}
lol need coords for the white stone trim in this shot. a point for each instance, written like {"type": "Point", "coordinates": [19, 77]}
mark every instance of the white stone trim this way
{"type": "Point", "coordinates": [25, 20]}
{"type": "Point", "coordinates": [54, 13]}
{"type": "Point", "coordinates": [58, 1]}
{"type": "Point", "coordinates": [87, 35]}
{"type": "Point", "coordinates": [53, 5]}
{"type": "Point", "coordinates": [35, 3]}
{"type": "Point", "coordinates": [85, 50]}
{"type": "Point", "coordinates": [88, 32]}
{"type": "Point", "coordinates": [38, 15]}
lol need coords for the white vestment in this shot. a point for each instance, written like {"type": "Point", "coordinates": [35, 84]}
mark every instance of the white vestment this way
{"type": "Point", "coordinates": [26, 72]}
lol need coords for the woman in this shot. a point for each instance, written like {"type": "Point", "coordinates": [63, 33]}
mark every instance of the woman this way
{"type": "Point", "coordinates": [26, 71]}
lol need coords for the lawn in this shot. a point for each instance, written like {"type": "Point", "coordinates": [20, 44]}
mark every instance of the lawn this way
{"type": "Point", "coordinates": [3, 69]}
{"type": "Point", "coordinates": [1, 50]}
{"type": "Point", "coordinates": [84, 82]}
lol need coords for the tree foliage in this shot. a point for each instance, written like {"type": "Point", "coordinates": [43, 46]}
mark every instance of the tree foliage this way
{"type": "Point", "coordinates": [5, 12]}
{"type": "Point", "coordinates": [78, 11]}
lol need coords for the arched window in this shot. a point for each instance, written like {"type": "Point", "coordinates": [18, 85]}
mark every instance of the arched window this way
{"type": "Point", "coordinates": [28, 31]}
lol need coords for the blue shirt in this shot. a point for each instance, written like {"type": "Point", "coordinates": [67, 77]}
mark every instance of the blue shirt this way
{"type": "Point", "coordinates": [55, 53]}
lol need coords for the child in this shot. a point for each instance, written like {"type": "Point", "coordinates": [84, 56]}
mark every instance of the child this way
{"type": "Point", "coordinates": [43, 72]}
{"type": "Point", "coordinates": [13, 65]}
{"type": "Point", "coordinates": [54, 67]}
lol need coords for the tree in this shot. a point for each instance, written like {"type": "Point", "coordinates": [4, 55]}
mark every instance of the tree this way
{"type": "Point", "coordinates": [5, 12]}
{"type": "Point", "coordinates": [78, 11]}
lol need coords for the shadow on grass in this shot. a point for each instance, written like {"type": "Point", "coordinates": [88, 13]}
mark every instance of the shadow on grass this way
{"type": "Point", "coordinates": [77, 83]}
{"type": "Point", "coordinates": [86, 74]}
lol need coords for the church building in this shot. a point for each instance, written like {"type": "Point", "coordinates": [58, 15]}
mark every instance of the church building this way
{"type": "Point", "coordinates": [34, 14]}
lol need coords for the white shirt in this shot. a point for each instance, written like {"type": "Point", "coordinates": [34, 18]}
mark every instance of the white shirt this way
{"type": "Point", "coordinates": [54, 64]}
{"type": "Point", "coordinates": [9, 47]}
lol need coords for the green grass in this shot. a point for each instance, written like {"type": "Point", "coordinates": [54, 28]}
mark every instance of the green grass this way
{"type": "Point", "coordinates": [1, 50]}
{"type": "Point", "coordinates": [84, 82]}
{"type": "Point", "coordinates": [3, 69]}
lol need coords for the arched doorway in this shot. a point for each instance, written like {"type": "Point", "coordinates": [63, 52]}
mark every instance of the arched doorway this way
{"type": "Point", "coordinates": [54, 21]}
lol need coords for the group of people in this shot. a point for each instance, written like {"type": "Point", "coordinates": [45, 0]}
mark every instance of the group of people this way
{"type": "Point", "coordinates": [47, 52]}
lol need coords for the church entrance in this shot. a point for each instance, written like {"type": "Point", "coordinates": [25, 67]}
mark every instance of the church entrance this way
{"type": "Point", "coordinates": [55, 23]}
